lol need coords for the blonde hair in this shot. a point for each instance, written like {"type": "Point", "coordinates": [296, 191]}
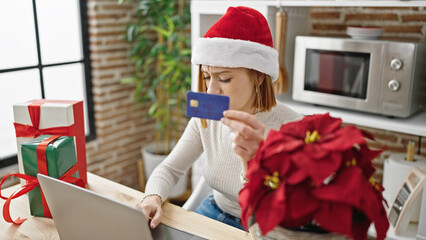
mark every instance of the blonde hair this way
{"type": "Point", "coordinates": [265, 94]}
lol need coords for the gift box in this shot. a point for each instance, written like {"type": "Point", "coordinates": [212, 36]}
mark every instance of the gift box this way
{"type": "Point", "coordinates": [49, 156]}
{"type": "Point", "coordinates": [51, 117]}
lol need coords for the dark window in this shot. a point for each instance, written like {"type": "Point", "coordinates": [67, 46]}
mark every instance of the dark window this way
{"type": "Point", "coordinates": [337, 72]}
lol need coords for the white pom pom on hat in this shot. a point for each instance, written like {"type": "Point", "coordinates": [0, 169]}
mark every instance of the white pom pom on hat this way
{"type": "Point", "coordinates": [241, 38]}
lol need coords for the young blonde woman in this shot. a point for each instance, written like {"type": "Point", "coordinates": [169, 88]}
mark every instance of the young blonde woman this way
{"type": "Point", "coordinates": [236, 59]}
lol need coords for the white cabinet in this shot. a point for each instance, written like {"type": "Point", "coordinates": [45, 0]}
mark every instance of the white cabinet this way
{"type": "Point", "coordinates": [205, 13]}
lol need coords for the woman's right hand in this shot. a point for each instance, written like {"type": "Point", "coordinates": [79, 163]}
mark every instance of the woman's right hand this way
{"type": "Point", "coordinates": [151, 208]}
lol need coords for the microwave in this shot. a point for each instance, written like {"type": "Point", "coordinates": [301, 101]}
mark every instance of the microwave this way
{"type": "Point", "coordinates": [375, 76]}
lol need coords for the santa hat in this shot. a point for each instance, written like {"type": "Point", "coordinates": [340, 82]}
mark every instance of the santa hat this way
{"type": "Point", "coordinates": [241, 38]}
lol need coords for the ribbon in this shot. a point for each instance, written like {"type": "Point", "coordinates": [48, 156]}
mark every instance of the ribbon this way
{"type": "Point", "coordinates": [30, 131]}
{"type": "Point", "coordinates": [75, 130]}
{"type": "Point", "coordinates": [42, 168]}
{"type": "Point", "coordinates": [32, 182]}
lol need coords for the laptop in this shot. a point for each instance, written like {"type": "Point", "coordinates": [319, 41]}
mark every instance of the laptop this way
{"type": "Point", "coordinates": [82, 214]}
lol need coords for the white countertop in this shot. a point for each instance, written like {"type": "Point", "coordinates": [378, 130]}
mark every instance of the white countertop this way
{"type": "Point", "coordinates": [414, 125]}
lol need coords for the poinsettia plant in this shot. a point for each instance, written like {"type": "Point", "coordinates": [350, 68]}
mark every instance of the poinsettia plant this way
{"type": "Point", "coordinates": [315, 171]}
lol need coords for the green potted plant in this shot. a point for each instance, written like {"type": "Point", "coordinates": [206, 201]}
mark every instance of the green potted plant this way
{"type": "Point", "coordinates": [161, 52]}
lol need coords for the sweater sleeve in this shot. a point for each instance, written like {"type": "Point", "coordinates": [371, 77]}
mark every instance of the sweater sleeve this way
{"type": "Point", "coordinates": [174, 166]}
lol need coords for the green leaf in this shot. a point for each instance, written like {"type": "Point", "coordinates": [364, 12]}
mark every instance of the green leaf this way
{"type": "Point", "coordinates": [130, 33]}
{"type": "Point", "coordinates": [151, 94]}
{"type": "Point", "coordinates": [153, 108]}
{"type": "Point", "coordinates": [162, 31]}
{"type": "Point", "coordinates": [172, 101]}
{"type": "Point", "coordinates": [160, 112]}
{"type": "Point", "coordinates": [128, 80]}
{"type": "Point", "coordinates": [185, 52]}
{"type": "Point", "coordinates": [170, 24]}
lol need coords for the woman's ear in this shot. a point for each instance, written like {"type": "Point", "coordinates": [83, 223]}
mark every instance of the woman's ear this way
{"type": "Point", "coordinates": [260, 77]}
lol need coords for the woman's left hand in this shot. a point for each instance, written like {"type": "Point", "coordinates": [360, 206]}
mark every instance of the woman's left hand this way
{"type": "Point", "coordinates": [249, 134]}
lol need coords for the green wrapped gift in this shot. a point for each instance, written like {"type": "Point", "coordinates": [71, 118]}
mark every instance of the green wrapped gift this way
{"type": "Point", "coordinates": [59, 157]}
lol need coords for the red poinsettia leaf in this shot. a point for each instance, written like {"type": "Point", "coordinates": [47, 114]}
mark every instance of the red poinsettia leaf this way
{"type": "Point", "coordinates": [326, 124]}
{"type": "Point", "coordinates": [295, 175]}
{"type": "Point", "coordinates": [298, 219]}
{"type": "Point", "coordinates": [297, 129]}
{"type": "Point", "coordinates": [301, 204]}
{"type": "Point", "coordinates": [365, 156]}
{"type": "Point", "coordinates": [255, 180]}
{"type": "Point", "coordinates": [381, 223]}
{"type": "Point", "coordinates": [314, 151]}
{"type": "Point", "coordinates": [343, 139]}
{"type": "Point", "coordinates": [273, 137]}
{"type": "Point", "coordinates": [250, 195]}
{"type": "Point", "coordinates": [352, 188]}
{"type": "Point", "coordinates": [320, 169]}
{"type": "Point", "coordinates": [289, 222]}
{"type": "Point", "coordinates": [256, 188]}
{"type": "Point", "coordinates": [251, 168]}
{"type": "Point", "coordinates": [255, 163]}
{"type": "Point", "coordinates": [335, 217]}
{"type": "Point", "coordinates": [287, 144]}
{"type": "Point", "coordinates": [278, 163]}
{"type": "Point", "coordinates": [266, 212]}
{"type": "Point", "coordinates": [360, 229]}
{"type": "Point", "coordinates": [346, 188]}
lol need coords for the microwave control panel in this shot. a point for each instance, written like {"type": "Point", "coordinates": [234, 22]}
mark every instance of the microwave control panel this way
{"type": "Point", "coordinates": [401, 86]}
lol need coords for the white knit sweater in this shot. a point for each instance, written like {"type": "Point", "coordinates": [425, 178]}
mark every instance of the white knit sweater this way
{"type": "Point", "coordinates": [222, 166]}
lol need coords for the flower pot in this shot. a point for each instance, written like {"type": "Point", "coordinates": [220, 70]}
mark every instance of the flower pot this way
{"type": "Point", "coordinates": [280, 233]}
{"type": "Point", "coordinates": [151, 161]}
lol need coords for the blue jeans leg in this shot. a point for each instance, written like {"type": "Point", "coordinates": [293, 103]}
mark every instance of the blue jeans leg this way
{"type": "Point", "coordinates": [209, 208]}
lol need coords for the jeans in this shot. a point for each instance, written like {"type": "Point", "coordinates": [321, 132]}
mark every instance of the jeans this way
{"type": "Point", "coordinates": [209, 208]}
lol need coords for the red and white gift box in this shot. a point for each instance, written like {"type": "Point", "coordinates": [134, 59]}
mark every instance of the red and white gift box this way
{"type": "Point", "coordinates": [51, 117]}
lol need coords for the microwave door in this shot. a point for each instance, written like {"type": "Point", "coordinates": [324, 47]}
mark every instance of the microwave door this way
{"type": "Point", "coordinates": [337, 73]}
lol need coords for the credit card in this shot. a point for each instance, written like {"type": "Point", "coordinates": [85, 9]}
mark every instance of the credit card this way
{"type": "Point", "coordinates": [207, 106]}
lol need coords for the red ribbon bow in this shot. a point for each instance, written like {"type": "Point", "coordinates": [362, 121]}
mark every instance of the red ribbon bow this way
{"type": "Point", "coordinates": [22, 130]}
{"type": "Point", "coordinates": [32, 182]}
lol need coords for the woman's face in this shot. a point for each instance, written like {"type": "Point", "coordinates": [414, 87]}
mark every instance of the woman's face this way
{"type": "Point", "coordinates": [236, 83]}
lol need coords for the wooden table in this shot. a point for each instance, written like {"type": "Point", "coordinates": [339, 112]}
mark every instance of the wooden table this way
{"type": "Point", "coordinates": [175, 216]}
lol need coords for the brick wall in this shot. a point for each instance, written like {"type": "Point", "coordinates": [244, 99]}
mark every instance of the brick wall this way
{"type": "Point", "coordinates": [120, 127]}
{"type": "Point", "coordinates": [405, 23]}
{"type": "Point", "coordinates": [400, 23]}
